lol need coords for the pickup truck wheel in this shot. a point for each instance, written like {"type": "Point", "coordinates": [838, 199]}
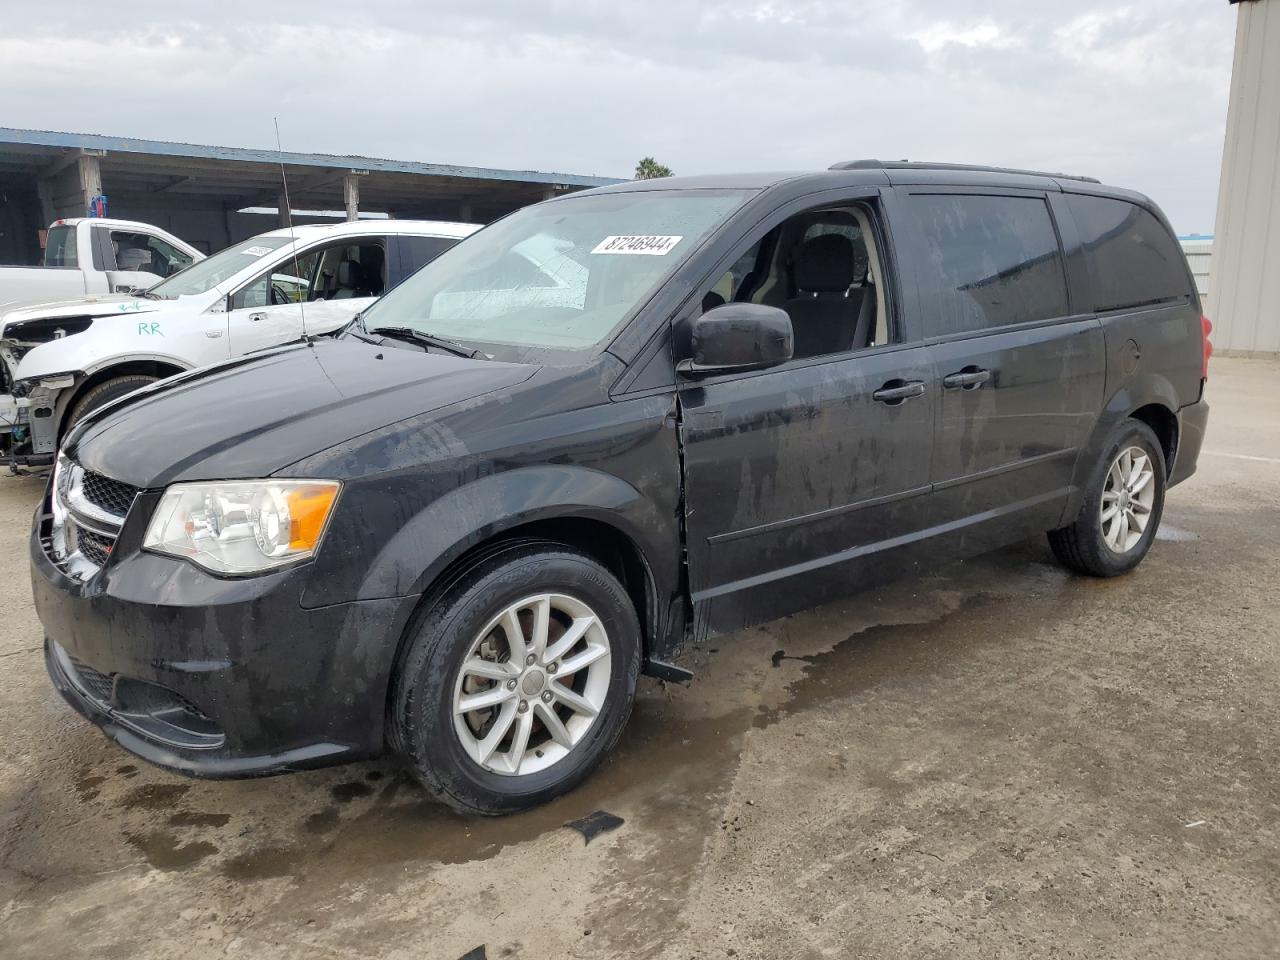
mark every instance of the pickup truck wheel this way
{"type": "Point", "coordinates": [1122, 506]}
{"type": "Point", "coordinates": [105, 392]}
{"type": "Point", "coordinates": [518, 680]}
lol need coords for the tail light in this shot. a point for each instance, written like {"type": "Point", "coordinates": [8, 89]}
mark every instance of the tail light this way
{"type": "Point", "coordinates": [1206, 328]}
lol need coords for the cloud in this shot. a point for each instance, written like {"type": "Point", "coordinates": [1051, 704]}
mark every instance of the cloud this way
{"type": "Point", "coordinates": [938, 35]}
{"type": "Point", "coordinates": [1135, 95]}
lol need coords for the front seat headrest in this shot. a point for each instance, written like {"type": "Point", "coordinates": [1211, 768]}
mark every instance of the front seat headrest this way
{"type": "Point", "coordinates": [824, 264]}
{"type": "Point", "coordinates": [133, 258]}
{"type": "Point", "coordinates": [349, 275]}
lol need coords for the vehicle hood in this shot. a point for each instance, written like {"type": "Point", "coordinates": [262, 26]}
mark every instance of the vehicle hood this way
{"type": "Point", "coordinates": [255, 415]}
{"type": "Point", "coordinates": [83, 307]}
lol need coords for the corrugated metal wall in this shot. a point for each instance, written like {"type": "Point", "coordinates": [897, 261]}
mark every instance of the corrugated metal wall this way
{"type": "Point", "coordinates": [1244, 302]}
{"type": "Point", "coordinates": [1199, 251]}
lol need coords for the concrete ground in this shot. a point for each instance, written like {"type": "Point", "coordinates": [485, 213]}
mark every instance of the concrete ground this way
{"type": "Point", "coordinates": [999, 760]}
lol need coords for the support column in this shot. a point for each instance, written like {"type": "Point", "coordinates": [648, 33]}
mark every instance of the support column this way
{"type": "Point", "coordinates": [465, 212]}
{"type": "Point", "coordinates": [44, 191]}
{"type": "Point", "coordinates": [228, 223]}
{"type": "Point", "coordinates": [66, 185]}
{"type": "Point", "coordinates": [90, 179]}
{"type": "Point", "coordinates": [282, 205]}
{"type": "Point", "coordinates": [351, 193]}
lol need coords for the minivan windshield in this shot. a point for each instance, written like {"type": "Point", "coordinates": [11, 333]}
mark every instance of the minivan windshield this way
{"type": "Point", "coordinates": [207, 274]}
{"type": "Point", "coordinates": [557, 276]}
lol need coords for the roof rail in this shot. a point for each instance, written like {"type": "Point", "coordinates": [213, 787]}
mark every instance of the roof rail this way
{"type": "Point", "coordinates": [972, 167]}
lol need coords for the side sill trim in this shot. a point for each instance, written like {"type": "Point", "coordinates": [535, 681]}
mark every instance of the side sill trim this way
{"type": "Point", "coordinates": [853, 553]}
{"type": "Point", "coordinates": [819, 515]}
{"type": "Point", "coordinates": [1006, 468]}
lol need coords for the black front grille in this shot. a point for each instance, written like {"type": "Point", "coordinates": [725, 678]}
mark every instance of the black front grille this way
{"type": "Point", "coordinates": [111, 495]}
{"type": "Point", "coordinates": [94, 546]}
{"type": "Point", "coordinates": [98, 685]}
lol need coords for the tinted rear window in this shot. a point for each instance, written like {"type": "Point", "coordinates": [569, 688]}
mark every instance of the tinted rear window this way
{"type": "Point", "coordinates": [414, 253]}
{"type": "Point", "coordinates": [60, 247]}
{"type": "Point", "coordinates": [987, 262]}
{"type": "Point", "coordinates": [419, 251]}
{"type": "Point", "coordinates": [1133, 260]}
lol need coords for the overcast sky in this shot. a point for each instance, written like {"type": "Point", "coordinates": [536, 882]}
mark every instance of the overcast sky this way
{"type": "Point", "coordinates": [1135, 94]}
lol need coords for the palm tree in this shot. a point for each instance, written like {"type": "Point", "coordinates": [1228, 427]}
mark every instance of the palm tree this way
{"type": "Point", "coordinates": [650, 169]}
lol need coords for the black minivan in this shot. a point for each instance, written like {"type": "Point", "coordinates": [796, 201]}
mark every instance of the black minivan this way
{"type": "Point", "coordinates": [602, 428]}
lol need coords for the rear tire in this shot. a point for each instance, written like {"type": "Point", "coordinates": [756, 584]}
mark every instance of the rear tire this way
{"type": "Point", "coordinates": [548, 720]}
{"type": "Point", "coordinates": [104, 393]}
{"type": "Point", "coordinates": [1123, 503]}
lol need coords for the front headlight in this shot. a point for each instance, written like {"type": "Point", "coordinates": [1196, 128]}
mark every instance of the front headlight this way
{"type": "Point", "coordinates": [242, 526]}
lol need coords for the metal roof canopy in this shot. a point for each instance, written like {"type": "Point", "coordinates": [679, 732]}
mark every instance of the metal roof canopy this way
{"type": "Point", "coordinates": [242, 177]}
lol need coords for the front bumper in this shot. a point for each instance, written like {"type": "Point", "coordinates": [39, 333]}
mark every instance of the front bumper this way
{"type": "Point", "coordinates": [215, 677]}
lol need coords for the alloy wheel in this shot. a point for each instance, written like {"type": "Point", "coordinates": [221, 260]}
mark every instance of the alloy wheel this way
{"type": "Point", "coordinates": [1128, 497]}
{"type": "Point", "coordinates": [532, 684]}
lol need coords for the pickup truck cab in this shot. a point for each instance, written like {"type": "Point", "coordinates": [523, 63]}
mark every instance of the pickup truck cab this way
{"type": "Point", "coordinates": [463, 528]}
{"type": "Point", "coordinates": [59, 361]}
{"type": "Point", "coordinates": [86, 256]}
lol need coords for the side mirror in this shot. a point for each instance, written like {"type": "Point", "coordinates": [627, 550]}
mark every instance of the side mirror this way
{"type": "Point", "coordinates": [738, 336]}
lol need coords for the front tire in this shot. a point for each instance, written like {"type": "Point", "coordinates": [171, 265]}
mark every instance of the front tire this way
{"type": "Point", "coordinates": [518, 680]}
{"type": "Point", "coordinates": [104, 393]}
{"type": "Point", "coordinates": [1122, 506]}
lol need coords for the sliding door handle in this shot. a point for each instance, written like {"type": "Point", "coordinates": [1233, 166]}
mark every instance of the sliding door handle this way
{"type": "Point", "coordinates": [896, 391]}
{"type": "Point", "coordinates": [970, 378]}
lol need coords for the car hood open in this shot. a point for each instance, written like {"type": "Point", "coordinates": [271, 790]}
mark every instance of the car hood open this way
{"type": "Point", "coordinates": [255, 415]}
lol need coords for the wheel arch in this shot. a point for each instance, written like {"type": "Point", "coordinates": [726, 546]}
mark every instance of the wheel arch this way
{"type": "Point", "coordinates": [129, 366]}
{"type": "Point", "coordinates": [599, 514]}
{"type": "Point", "coordinates": [1150, 399]}
{"type": "Point", "coordinates": [604, 542]}
{"type": "Point", "coordinates": [1164, 424]}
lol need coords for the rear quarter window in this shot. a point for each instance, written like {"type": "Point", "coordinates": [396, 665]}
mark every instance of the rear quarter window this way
{"type": "Point", "coordinates": [985, 262]}
{"type": "Point", "coordinates": [60, 247]}
{"type": "Point", "coordinates": [1133, 259]}
{"type": "Point", "coordinates": [414, 253]}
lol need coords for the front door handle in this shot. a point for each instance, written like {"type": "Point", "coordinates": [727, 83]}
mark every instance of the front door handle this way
{"type": "Point", "coordinates": [255, 317]}
{"type": "Point", "coordinates": [970, 378]}
{"type": "Point", "coordinates": [896, 391]}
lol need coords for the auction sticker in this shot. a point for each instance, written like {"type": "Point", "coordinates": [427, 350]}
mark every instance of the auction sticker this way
{"type": "Point", "coordinates": [256, 251]}
{"type": "Point", "coordinates": [652, 246]}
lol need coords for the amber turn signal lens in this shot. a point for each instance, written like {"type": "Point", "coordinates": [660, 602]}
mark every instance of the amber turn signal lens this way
{"type": "Point", "coordinates": [308, 510]}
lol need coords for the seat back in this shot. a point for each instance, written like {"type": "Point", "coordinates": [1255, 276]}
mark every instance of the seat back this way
{"type": "Point", "coordinates": [826, 306]}
{"type": "Point", "coordinates": [350, 279]}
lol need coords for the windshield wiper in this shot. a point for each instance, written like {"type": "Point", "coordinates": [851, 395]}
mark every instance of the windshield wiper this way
{"type": "Point", "coordinates": [355, 327]}
{"type": "Point", "coordinates": [429, 339]}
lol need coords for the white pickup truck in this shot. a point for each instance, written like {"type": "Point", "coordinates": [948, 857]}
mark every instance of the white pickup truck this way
{"type": "Point", "coordinates": [59, 361]}
{"type": "Point", "coordinates": [87, 256]}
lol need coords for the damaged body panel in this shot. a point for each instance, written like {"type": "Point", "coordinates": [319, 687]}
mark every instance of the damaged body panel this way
{"type": "Point", "coordinates": [609, 425]}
